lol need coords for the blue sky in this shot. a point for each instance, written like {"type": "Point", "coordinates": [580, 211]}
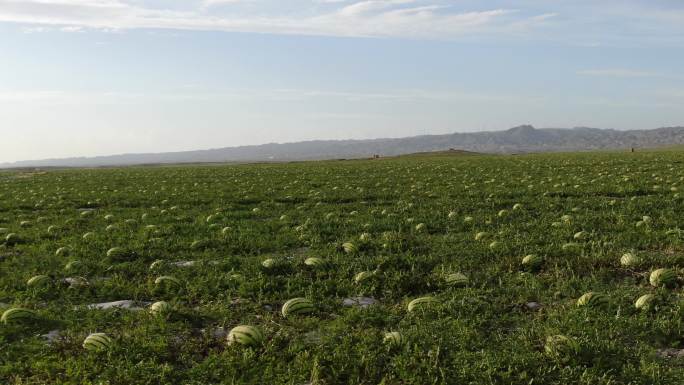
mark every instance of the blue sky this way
{"type": "Point", "coordinates": [90, 77]}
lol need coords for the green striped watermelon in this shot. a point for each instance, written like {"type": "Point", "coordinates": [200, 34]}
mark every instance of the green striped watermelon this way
{"type": "Point", "coordinates": [560, 347]}
{"type": "Point", "coordinates": [645, 302]}
{"type": "Point", "coordinates": [62, 251]}
{"type": "Point", "coordinates": [17, 315]}
{"type": "Point", "coordinates": [422, 303]}
{"type": "Point", "coordinates": [270, 263]}
{"type": "Point", "coordinates": [118, 253]}
{"type": "Point", "coordinates": [297, 306]}
{"type": "Point", "coordinates": [663, 277]}
{"type": "Point", "coordinates": [246, 335]}
{"type": "Point", "coordinates": [317, 263]}
{"type": "Point", "coordinates": [456, 279]}
{"type": "Point", "coordinates": [363, 276]}
{"type": "Point", "coordinates": [592, 299]}
{"type": "Point", "coordinates": [97, 342]}
{"type": "Point", "coordinates": [39, 281]}
{"type": "Point", "coordinates": [73, 266]}
{"type": "Point", "coordinates": [13, 239]}
{"type": "Point", "coordinates": [159, 263]}
{"type": "Point", "coordinates": [350, 248]}
{"type": "Point", "coordinates": [629, 260]}
{"type": "Point", "coordinates": [168, 282]}
{"type": "Point", "coordinates": [161, 308]}
{"type": "Point", "coordinates": [393, 339]}
{"type": "Point", "coordinates": [532, 261]}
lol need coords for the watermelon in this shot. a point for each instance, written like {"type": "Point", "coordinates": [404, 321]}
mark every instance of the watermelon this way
{"type": "Point", "coordinates": [560, 347]}
{"type": "Point", "coordinates": [118, 253]}
{"type": "Point", "coordinates": [592, 299]}
{"type": "Point", "coordinates": [663, 277]}
{"type": "Point", "coordinates": [422, 303]}
{"type": "Point", "coordinates": [269, 263]}
{"type": "Point", "coordinates": [199, 244]}
{"type": "Point", "coordinates": [168, 282]}
{"type": "Point", "coordinates": [317, 263]}
{"type": "Point", "coordinates": [161, 308]}
{"type": "Point", "coordinates": [571, 246]}
{"type": "Point", "coordinates": [532, 261]}
{"type": "Point", "coordinates": [97, 342]}
{"type": "Point", "coordinates": [157, 264]}
{"type": "Point", "coordinates": [645, 302]}
{"type": "Point", "coordinates": [73, 266]}
{"type": "Point", "coordinates": [393, 339]}
{"type": "Point", "coordinates": [17, 315]}
{"type": "Point", "coordinates": [629, 260]}
{"type": "Point", "coordinates": [580, 236]}
{"type": "Point", "coordinates": [363, 276]}
{"type": "Point", "coordinates": [13, 239]}
{"type": "Point", "coordinates": [39, 281]}
{"type": "Point", "coordinates": [62, 251]}
{"type": "Point", "coordinates": [456, 279]}
{"type": "Point", "coordinates": [246, 335]}
{"type": "Point", "coordinates": [297, 306]}
{"type": "Point", "coordinates": [87, 213]}
{"type": "Point", "coordinates": [350, 248]}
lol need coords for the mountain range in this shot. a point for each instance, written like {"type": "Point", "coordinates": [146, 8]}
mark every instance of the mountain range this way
{"type": "Point", "coordinates": [521, 139]}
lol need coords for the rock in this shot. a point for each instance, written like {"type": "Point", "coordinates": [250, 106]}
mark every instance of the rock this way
{"type": "Point", "coordinates": [184, 263]}
{"type": "Point", "coordinates": [125, 304]}
{"type": "Point", "coordinates": [51, 336]}
{"type": "Point", "coordinates": [359, 301]}
{"type": "Point", "coordinates": [219, 333]}
{"type": "Point", "coordinates": [313, 337]}
{"type": "Point", "coordinates": [76, 282]}
{"type": "Point", "coordinates": [670, 353]}
{"type": "Point", "coordinates": [533, 305]}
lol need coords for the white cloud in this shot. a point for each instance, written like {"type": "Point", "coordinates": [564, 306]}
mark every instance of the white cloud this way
{"type": "Point", "coordinates": [618, 73]}
{"type": "Point", "coordinates": [369, 18]}
{"type": "Point", "coordinates": [52, 97]}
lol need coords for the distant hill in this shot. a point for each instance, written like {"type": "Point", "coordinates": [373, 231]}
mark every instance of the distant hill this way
{"type": "Point", "coordinates": [521, 139]}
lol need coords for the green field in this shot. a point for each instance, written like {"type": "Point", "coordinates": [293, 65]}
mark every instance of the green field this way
{"type": "Point", "coordinates": [410, 223]}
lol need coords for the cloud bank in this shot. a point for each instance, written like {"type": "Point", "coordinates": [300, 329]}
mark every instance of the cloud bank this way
{"type": "Point", "coordinates": [370, 18]}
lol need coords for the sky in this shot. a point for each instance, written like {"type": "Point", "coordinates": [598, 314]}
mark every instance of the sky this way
{"type": "Point", "coordinates": [98, 77]}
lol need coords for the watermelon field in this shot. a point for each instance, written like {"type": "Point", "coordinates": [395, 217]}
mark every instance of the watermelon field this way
{"type": "Point", "coordinates": [471, 269]}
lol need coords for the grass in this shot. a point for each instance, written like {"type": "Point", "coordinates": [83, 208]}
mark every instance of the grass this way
{"type": "Point", "coordinates": [229, 219]}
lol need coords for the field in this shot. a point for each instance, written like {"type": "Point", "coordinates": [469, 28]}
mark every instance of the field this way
{"type": "Point", "coordinates": [234, 240]}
